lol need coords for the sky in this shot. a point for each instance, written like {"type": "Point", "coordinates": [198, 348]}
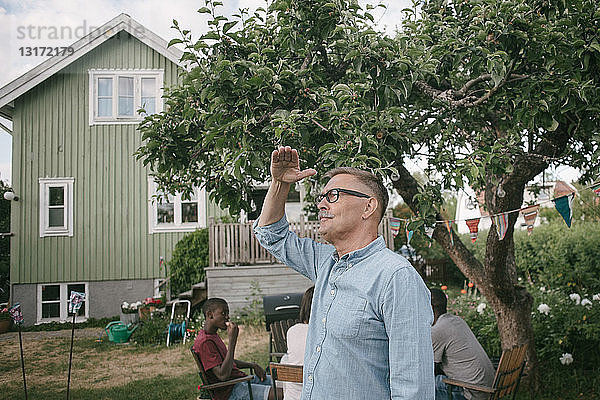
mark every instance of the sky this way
{"type": "Point", "coordinates": [52, 23]}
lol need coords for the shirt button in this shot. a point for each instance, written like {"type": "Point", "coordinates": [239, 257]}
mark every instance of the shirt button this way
{"type": "Point", "coordinates": [349, 265]}
{"type": "Point", "coordinates": [332, 292]}
{"type": "Point", "coordinates": [318, 348]}
{"type": "Point", "coordinates": [310, 378]}
{"type": "Point", "coordinates": [324, 319]}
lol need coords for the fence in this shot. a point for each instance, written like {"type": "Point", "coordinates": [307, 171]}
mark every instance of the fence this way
{"type": "Point", "coordinates": [235, 243]}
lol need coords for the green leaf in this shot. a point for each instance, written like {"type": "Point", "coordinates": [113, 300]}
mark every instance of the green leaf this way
{"type": "Point", "coordinates": [174, 41]}
{"type": "Point", "coordinates": [228, 25]}
{"type": "Point", "coordinates": [554, 125]}
{"type": "Point", "coordinates": [204, 10]}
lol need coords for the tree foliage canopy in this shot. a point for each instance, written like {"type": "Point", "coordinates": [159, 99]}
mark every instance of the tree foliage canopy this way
{"type": "Point", "coordinates": [473, 87]}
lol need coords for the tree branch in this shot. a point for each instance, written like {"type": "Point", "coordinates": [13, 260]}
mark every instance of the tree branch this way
{"type": "Point", "coordinates": [463, 98]}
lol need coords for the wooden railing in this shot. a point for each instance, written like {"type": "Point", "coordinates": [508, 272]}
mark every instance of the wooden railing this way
{"type": "Point", "coordinates": [235, 244]}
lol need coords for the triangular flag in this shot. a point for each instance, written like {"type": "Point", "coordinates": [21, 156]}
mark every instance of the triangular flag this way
{"type": "Point", "coordinates": [501, 222]}
{"type": "Point", "coordinates": [563, 206]}
{"type": "Point", "coordinates": [395, 225]}
{"type": "Point", "coordinates": [529, 215]}
{"type": "Point", "coordinates": [596, 188]}
{"type": "Point", "coordinates": [449, 227]}
{"type": "Point", "coordinates": [409, 235]}
{"type": "Point", "coordinates": [473, 225]}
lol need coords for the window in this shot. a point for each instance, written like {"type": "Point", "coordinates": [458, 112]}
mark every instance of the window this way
{"type": "Point", "coordinates": [175, 213]}
{"type": "Point", "coordinates": [117, 95]}
{"type": "Point", "coordinates": [53, 302]}
{"type": "Point", "coordinates": [56, 207]}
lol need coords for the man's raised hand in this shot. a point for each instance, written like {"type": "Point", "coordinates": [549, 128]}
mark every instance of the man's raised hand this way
{"type": "Point", "coordinates": [285, 166]}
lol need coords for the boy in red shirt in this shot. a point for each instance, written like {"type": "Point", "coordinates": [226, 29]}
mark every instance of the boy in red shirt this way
{"type": "Point", "coordinates": [218, 361]}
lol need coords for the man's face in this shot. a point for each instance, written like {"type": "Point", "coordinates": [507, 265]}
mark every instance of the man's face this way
{"type": "Point", "coordinates": [220, 317]}
{"type": "Point", "coordinates": [343, 217]}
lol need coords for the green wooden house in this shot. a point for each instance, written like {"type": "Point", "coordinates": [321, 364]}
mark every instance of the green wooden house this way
{"type": "Point", "coordinates": [85, 218]}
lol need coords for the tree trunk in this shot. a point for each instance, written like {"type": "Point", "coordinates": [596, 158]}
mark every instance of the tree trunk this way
{"type": "Point", "coordinates": [497, 277]}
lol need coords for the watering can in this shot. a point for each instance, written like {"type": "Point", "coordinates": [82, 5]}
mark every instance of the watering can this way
{"type": "Point", "coordinates": [117, 332]}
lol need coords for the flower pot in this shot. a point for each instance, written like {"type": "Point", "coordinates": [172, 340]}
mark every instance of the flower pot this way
{"type": "Point", "coordinates": [5, 325]}
{"type": "Point", "coordinates": [130, 318]}
{"type": "Point", "coordinates": [146, 313]}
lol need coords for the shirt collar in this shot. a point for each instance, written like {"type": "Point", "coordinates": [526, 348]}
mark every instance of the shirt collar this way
{"type": "Point", "coordinates": [360, 254]}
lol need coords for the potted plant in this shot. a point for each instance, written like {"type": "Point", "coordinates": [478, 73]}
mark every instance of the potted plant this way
{"type": "Point", "coordinates": [149, 305]}
{"type": "Point", "coordinates": [5, 320]}
{"type": "Point", "coordinates": [129, 312]}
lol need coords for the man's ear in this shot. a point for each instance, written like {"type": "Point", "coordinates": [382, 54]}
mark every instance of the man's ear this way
{"type": "Point", "coordinates": [370, 208]}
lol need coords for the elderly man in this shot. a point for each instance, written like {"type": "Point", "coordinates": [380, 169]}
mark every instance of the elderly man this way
{"type": "Point", "coordinates": [369, 336]}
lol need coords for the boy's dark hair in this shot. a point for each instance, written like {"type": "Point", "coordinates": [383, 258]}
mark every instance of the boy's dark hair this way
{"type": "Point", "coordinates": [368, 179]}
{"type": "Point", "coordinates": [212, 304]}
{"type": "Point", "coordinates": [305, 304]}
{"type": "Point", "coordinates": [439, 301]}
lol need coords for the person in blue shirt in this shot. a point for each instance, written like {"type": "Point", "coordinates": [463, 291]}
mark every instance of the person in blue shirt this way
{"type": "Point", "coordinates": [369, 336]}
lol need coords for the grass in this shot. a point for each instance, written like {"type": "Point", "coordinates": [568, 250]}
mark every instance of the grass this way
{"type": "Point", "coordinates": [109, 371]}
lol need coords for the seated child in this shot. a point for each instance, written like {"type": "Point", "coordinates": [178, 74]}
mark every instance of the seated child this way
{"type": "Point", "coordinates": [218, 361]}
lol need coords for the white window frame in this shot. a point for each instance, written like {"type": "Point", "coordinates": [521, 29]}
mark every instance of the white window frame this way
{"type": "Point", "coordinates": [114, 74]}
{"type": "Point", "coordinates": [63, 303]}
{"type": "Point", "coordinates": [177, 225]}
{"type": "Point", "coordinates": [45, 185]}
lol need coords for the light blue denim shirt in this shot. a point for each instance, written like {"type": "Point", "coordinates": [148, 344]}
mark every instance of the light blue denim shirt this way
{"type": "Point", "coordinates": [369, 335]}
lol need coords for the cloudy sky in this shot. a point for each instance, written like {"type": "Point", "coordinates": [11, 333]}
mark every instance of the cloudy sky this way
{"type": "Point", "coordinates": [52, 23]}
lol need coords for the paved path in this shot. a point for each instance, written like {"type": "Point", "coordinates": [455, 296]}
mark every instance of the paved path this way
{"type": "Point", "coordinates": [65, 333]}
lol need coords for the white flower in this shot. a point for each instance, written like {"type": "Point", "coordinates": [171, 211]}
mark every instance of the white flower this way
{"type": "Point", "coordinates": [544, 308]}
{"type": "Point", "coordinates": [586, 302]}
{"type": "Point", "coordinates": [542, 288]}
{"type": "Point", "coordinates": [596, 297]}
{"type": "Point", "coordinates": [125, 305]}
{"type": "Point", "coordinates": [566, 359]}
{"type": "Point", "coordinates": [575, 297]}
{"type": "Point", "coordinates": [481, 307]}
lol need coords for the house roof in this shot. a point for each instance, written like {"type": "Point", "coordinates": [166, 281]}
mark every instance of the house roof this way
{"type": "Point", "coordinates": [122, 22]}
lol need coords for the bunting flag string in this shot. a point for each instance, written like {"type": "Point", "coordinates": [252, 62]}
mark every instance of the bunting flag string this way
{"type": "Point", "coordinates": [395, 225]}
{"type": "Point", "coordinates": [449, 227]}
{"type": "Point", "coordinates": [473, 225]}
{"type": "Point", "coordinates": [564, 207]}
{"type": "Point", "coordinates": [501, 223]}
{"type": "Point", "coordinates": [562, 204]}
{"type": "Point", "coordinates": [529, 215]}
{"type": "Point", "coordinates": [409, 235]}
{"type": "Point", "coordinates": [596, 188]}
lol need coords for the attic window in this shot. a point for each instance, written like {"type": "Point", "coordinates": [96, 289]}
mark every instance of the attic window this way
{"type": "Point", "coordinates": [116, 96]}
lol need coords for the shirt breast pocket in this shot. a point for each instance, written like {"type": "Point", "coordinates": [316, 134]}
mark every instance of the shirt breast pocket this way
{"type": "Point", "coordinates": [346, 316]}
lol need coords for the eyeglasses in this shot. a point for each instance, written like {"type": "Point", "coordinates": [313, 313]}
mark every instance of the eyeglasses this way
{"type": "Point", "coordinates": [332, 195]}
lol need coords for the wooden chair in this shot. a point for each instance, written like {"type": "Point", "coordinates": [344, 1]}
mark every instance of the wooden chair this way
{"type": "Point", "coordinates": [211, 386]}
{"type": "Point", "coordinates": [507, 379]}
{"type": "Point", "coordinates": [286, 373]}
{"type": "Point", "coordinates": [277, 338]}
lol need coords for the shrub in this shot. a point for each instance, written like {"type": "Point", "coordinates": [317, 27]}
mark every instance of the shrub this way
{"type": "Point", "coordinates": [555, 256]}
{"type": "Point", "coordinates": [188, 261]}
{"type": "Point", "coordinates": [152, 331]}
